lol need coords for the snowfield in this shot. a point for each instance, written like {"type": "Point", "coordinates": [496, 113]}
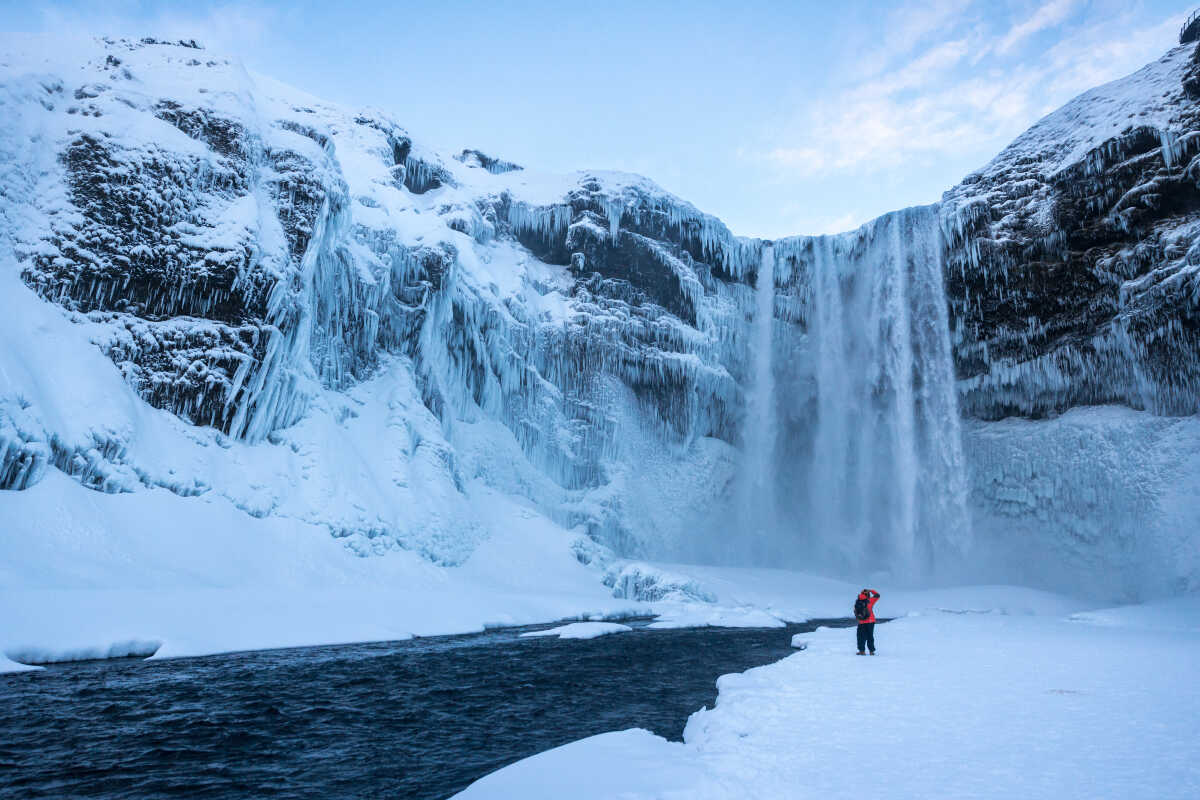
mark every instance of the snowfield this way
{"type": "Point", "coordinates": [957, 704]}
{"type": "Point", "coordinates": [82, 572]}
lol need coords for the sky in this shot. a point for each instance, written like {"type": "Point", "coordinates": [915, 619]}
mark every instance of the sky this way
{"type": "Point", "coordinates": [780, 118]}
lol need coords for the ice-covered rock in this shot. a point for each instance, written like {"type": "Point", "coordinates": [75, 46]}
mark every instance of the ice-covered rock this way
{"type": "Point", "coordinates": [646, 583]}
{"type": "Point", "coordinates": [1071, 267]}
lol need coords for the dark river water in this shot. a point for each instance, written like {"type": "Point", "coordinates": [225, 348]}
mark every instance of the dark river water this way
{"type": "Point", "coordinates": [415, 719]}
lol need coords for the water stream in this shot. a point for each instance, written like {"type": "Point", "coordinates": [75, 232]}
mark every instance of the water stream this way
{"type": "Point", "coordinates": [886, 486]}
{"type": "Point", "coordinates": [757, 504]}
{"type": "Point", "coordinates": [417, 719]}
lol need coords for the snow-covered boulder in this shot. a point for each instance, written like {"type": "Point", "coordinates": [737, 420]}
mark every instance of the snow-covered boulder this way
{"type": "Point", "coordinates": [581, 630]}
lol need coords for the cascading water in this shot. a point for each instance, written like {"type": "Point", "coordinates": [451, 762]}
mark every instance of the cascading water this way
{"type": "Point", "coordinates": [757, 504]}
{"type": "Point", "coordinates": [886, 488]}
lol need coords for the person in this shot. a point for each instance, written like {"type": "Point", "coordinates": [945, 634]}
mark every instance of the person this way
{"type": "Point", "coordinates": [866, 625]}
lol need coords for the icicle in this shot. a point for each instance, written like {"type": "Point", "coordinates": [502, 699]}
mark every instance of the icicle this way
{"type": "Point", "coordinates": [613, 209]}
{"type": "Point", "coordinates": [549, 223]}
{"type": "Point", "coordinates": [1172, 151]}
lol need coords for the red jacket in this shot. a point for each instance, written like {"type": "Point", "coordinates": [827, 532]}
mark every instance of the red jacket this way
{"type": "Point", "coordinates": [872, 597]}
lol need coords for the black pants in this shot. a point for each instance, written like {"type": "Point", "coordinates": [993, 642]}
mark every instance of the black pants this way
{"type": "Point", "coordinates": [866, 636]}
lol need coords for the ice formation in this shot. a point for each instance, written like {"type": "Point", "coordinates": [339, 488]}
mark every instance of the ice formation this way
{"type": "Point", "coordinates": [296, 308]}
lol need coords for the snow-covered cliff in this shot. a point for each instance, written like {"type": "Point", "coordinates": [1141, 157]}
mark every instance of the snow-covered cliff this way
{"type": "Point", "coordinates": [253, 296]}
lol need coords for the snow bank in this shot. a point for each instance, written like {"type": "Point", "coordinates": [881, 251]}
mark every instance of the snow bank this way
{"type": "Point", "coordinates": [133, 648]}
{"type": "Point", "coordinates": [582, 630]}
{"type": "Point", "coordinates": [1181, 613]}
{"type": "Point", "coordinates": [697, 616]}
{"type": "Point", "coordinates": [789, 596]}
{"type": "Point", "coordinates": [82, 570]}
{"type": "Point", "coordinates": [599, 768]}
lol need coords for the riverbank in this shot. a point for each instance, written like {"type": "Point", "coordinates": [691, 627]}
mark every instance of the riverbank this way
{"type": "Point", "coordinates": [965, 705]}
{"type": "Point", "coordinates": [415, 719]}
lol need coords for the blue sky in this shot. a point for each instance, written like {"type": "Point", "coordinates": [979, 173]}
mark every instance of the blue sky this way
{"type": "Point", "coordinates": [780, 118]}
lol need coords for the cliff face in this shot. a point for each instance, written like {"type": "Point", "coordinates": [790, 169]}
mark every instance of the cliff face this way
{"type": "Point", "coordinates": [250, 258]}
{"type": "Point", "coordinates": [1071, 258]}
{"type": "Point", "coordinates": [306, 293]}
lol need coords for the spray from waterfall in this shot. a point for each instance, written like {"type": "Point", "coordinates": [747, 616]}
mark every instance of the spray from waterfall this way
{"type": "Point", "coordinates": [886, 485]}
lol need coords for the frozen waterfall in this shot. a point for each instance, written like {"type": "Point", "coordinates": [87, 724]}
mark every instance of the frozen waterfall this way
{"type": "Point", "coordinates": [886, 486]}
{"type": "Point", "coordinates": [757, 501]}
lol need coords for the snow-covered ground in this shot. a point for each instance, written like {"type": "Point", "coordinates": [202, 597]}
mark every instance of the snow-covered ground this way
{"type": "Point", "coordinates": [82, 571]}
{"type": "Point", "coordinates": [1027, 702]}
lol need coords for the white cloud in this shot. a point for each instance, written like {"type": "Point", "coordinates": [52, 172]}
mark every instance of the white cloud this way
{"type": "Point", "coordinates": [1047, 16]}
{"type": "Point", "coordinates": [959, 95]}
{"type": "Point", "coordinates": [908, 25]}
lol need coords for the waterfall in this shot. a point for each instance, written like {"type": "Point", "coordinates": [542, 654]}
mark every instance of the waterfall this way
{"type": "Point", "coordinates": [758, 503]}
{"type": "Point", "coordinates": [886, 488]}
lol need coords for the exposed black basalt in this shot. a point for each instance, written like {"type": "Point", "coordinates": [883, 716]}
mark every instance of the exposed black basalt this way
{"type": "Point", "coordinates": [1092, 302]}
{"type": "Point", "coordinates": [224, 136]}
{"type": "Point", "coordinates": [633, 259]}
{"type": "Point", "coordinates": [130, 253]}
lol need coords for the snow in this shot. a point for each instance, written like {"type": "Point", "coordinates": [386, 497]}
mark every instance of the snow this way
{"type": "Point", "coordinates": [582, 630]}
{"type": "Point", "coordinates": [1180, 613]}
{"type": "Point", "coordinates": [1097, 491]}
{"type": "Point", "coordinates": [603, 769]}
{"type": "Point", "coordinates": [955, 705]}
{"type": "Point", "coordinates": [82, 572]}
{"type": "Point", "coordinates": [790, 596]}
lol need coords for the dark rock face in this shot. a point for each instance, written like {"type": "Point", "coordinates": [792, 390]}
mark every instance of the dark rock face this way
{"type": "Point", "coordinates": [183, 367]}
{"type": "Point", "coordinates": [1077, 286]}
{"type": "Point", "coordinates": [130, 251]}
{"type": "Point", "coordinates": [631, 267]}
{"type": "Point", "coordinates": [134, 251]}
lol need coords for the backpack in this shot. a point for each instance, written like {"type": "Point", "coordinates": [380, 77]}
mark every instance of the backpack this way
{"type": "Point", "coordinates": [862, 609]}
